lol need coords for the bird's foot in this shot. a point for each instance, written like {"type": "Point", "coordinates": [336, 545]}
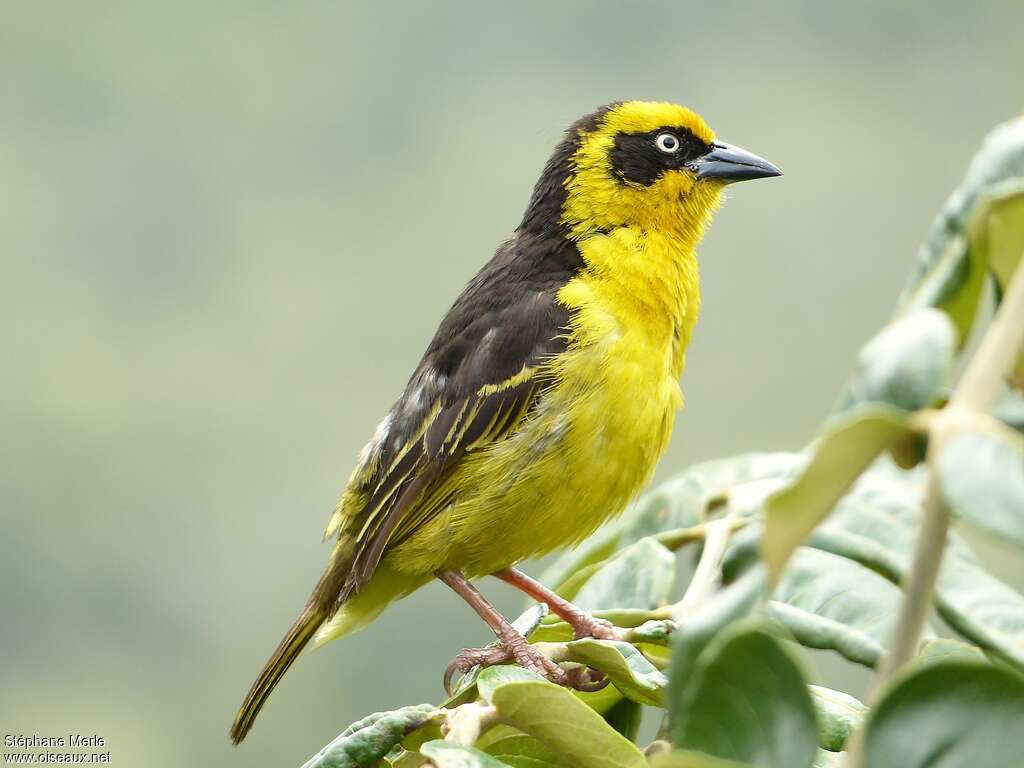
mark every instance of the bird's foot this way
{"type": "Point", "coordinates": [581, 622]}
{"type": "Point", "coordinates": [513, 647]}
{"type": "Point", "coordinates": [585, 625]}
{"type": "Point", "coordinates": [468, 658]}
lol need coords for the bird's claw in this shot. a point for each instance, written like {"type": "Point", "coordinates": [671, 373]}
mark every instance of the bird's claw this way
{"type": "Point", "coordinates": [516, 648]}
{"type": "Point", "coordinates": [468, 658]}
{"type": "Point", "coordinates": [586, 625]}
{"type": "Point", "coordinates": [512, 648]}
{"type": "Point", "coordinates": [586, 679]}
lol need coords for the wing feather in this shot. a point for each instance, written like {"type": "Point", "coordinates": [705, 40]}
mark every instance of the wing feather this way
{"type": "Point", "coordinates": [482, 374]}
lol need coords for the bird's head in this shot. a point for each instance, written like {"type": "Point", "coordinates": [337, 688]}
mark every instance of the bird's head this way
{"type": "Point", "coordinates": [638, 163]}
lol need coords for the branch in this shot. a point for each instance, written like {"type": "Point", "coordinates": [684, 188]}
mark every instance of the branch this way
{"type": "Point", "coordinates": [976, 392]}
{"type": "Point", "coordinates": [466, 722]}
{"type": "Point", "coordinates": [677, 538]}
{"type": "Point", "coordinates": [978, 389]}
{"type": "Point", "coordinates": [708, 575]}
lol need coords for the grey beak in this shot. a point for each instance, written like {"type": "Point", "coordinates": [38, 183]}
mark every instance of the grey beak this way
{"type": "Point", "coordinates": [728, 163]}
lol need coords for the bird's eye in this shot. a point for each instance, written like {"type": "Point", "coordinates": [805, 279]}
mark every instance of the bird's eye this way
{"type": "Point", "coordinates": [667, 143]}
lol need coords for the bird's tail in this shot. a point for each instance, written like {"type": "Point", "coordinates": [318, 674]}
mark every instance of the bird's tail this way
{"type": "Point", "coordinates": [333, 598]}
{"type": "Point", "coordinates": [287, 650]}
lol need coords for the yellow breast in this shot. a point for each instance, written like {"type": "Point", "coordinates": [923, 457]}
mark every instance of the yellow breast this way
{"type": "Point", "coordinates": [595, 438]}
{"type": "Point", "coordinates": [629, 333]}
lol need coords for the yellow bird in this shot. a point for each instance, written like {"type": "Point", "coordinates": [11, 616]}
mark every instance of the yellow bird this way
{"type": "Point", "coordinates": [547, 395]}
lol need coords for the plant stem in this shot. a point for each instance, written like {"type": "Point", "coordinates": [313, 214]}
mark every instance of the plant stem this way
{"type": "Point", "coordinates": [920, 584]}
{"type": "Point", "coordinates": [677, 538]}
{"type": "Point", "coordinates": [977, 391]}
{"type": "Point", "coordinates": [466, 723]}
{"type": "Point", "coordinates": [708, 575]}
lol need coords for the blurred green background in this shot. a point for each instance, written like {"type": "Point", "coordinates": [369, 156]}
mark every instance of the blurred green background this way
{"type": "Point", "coordinates": [229, 230]}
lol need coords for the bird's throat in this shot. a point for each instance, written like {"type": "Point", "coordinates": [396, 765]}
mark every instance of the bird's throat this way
{"type": "Point", "coordinates": [638, 283]}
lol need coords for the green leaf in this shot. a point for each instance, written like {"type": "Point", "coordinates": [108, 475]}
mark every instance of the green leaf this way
{"type": "Point", "coordinates": [688, 759]}
{"type": "Point", "coordinates": [673, 506]}
{"type": "Point", "coordinates": [657, 632]}
{"type": "Point", "coordinates": [601, 701]}
{"type": "Point", "coordinates": [981, 607]}
{"type": "Point", "coordinates": [448, 754]}
{"type": "Point", "coordinates": [747, 702]}
{"type": "Point", "coordinates": [590, 552]}
{"type": "Point", "coordinates": [942, 649]}
{"type": "Point", "coordinates": [572, 585]}
{"type": "Point", "coordinates": [850, 444]}
{"type": "Point", "coordinates": [876, 525]}
{"type": "Point", "coordinates": [822, 633]}
{"type": "Point", "coordinates": [564, 724]}
{"type": "Point", "coordinates": [981, 478]}
{"type": "Point", "coordinates": [427, 732]}
{"type": "Point", "coordinates": [838, 714]}
{"type": "Point", "coordinates": [997, 232]}
{"type": "Point", "coordinates": [885, 507]}
{"type": "Point", "coordinates": [403, 760]}
{"type": "Point", "coordinates": [672, 539]}
{"type": "Point", "coordinates": [997, 229]}
{"type": "Point", "coordinates": [970, 600]}
{"type": "Point", "coordinates": [368, 740]}
{"type": "Point", "coordinates": [832, 603]}
{"type": "Point", "coordinates": [905, 363]}
{"type": "Point", "coordinates": [522, 751]}
{"type": "Point", "coordinates": [747, 500]}
{"type": "Point", "coordinates": [625, 717]}
{"type": "Point", "coordinates": [554, 630]}
{"type": "Point", "coordinates": [517, 749]}
{"type": "Point", "coordinates": [682, 501]}
{"type": "Point", "coordinates": [948, 274]}
{"type": "Point", "coordinates": [640, 576]}
{"type": "Point", "coordinates": [951, 278]}
{"type": "Point", "coordinates": [695, 632]}
{"type": "Point", "coordinates": [491, 678]}
{"type": "Point", "coordinates": [627, 668]}
{"type": "Point", "coordinates": [954, 713]}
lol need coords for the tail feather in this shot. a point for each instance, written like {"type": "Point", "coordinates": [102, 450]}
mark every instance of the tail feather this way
{"type": "Point", "coordinates": [286, 652]}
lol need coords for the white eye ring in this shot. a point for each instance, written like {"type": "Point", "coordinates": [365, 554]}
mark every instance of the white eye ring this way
{"type": "Point", "coordinates": [667, 143]}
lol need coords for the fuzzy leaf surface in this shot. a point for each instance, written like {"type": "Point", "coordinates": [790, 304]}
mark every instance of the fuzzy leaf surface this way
{"type": "Point", "coordinates": [848, 447]}
{"type": "Point", "coordinates": [448, 754]}
{"type": "Point", "coordinates": [747, 702]}
{"type": "Point", "coordinates": [565, 725]}
{"type": "Point", "coordinates": [981, 476]}
{"type": "Point", "coordinates": [955, 713]}
{"type": "Point", "coordinates": [640, 577]}
{"type": "Point", "coordinates": [905, 364]}
{"type": "Point", "coordinates": [368, 740]}
{"type": "Point", "coordinates": [838, 714]}
{"type": "Point", "coordinates": [628, 669]}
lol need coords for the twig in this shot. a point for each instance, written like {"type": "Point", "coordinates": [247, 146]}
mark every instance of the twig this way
{"type": "Point", "coordinates": [976, 392]}
{"type": "Point", "coordinates": [708, 575]}
{"type": "Point", "coordinates": [468, 721]}
{"type": "Point", "coordinates": [680, 537]}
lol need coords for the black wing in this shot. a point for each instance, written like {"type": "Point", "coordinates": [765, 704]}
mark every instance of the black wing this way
{"type": "Point", "coordinates": [478, 380]}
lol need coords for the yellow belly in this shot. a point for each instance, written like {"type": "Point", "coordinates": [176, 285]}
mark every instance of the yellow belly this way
{"type": "Point", "coordinates": [577, 462]}
{"type": "Point", "coordinates": [591, 444]}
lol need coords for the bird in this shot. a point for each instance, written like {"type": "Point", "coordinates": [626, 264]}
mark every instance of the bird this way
{"type": "Point", "coordinates": [547, 395]}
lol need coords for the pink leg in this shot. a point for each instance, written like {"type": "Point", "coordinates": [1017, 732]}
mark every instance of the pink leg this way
{"type": "Point", "coordinates": [582, 623]}
{"type": "Point", "coordinates": [511, 646]}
